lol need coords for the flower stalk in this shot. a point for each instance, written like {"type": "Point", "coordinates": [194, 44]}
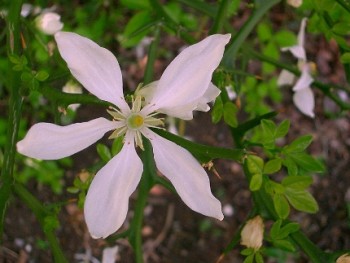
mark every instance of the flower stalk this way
{"type": "Point", "coordinates": [14, 113]}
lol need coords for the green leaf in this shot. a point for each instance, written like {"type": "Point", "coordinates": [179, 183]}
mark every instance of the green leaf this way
{"type": "Point", "coordinates": [272, 51]}
{"type": "Point", "coordinates": [268, 133]}
{"type": "Point", "coordinates": [264, 32]}
{"type": "Point", "coordinates": [230, 114]}
{"type": "Point", "coordinates": [247, 251]}
{"type": "Point", "coordinates": [282, 129]}
{"type": "Point", "coordinates": [117, 145]}
{"type": "Point", "coordinates": [286, 230]}
{"type": "Point", "coordinates": [297, 182]}
{"type": "Point", "coordinates": [341, 28]}
{"type": "Point", "coordinates": [291, 166]}
{"type": "Point", "coordinates": [299, 144]}
{"type": "Point", "coordinates": [275, 229]}
{"type": "Point", "coordinates": [272, 166]}
{"type": "Point", "coordinates": [72, 190]}
{"type": "Point", "coordinates": [284, 244]}
{"type": "Point", "coordinates": [301, 200]}
{"type": "Point", "coordinates": [269, 127]}
{"type": "Point", "coordinates": [285, 38]}
{"type": "Point", "coordinates": [136, 28]}
{"type": "Point", "coordinates": [255, 164]}
{"type": "Point", "coordinates": [307, 162]}
{"type": "Point", "coordinates": [26, 77]}
{"type": "Point", "coordinates": [249, 259]}
{"type": "Point", "coordinates": [276, 187]}
{"type": "Point", "coordinates": [103, 152]}
{"type": "Point", "coordinates": [41, 75]}
{"type": "Point", "coordinates": [281, 206]}
{"type": "Point", "coordinates": [259, 258]}
{"type": "Point", "coordinates": [255, 182]}
{"type": "Point", "coordinates": [218, 110]}
{"type": "Point", "coordinates": [136, 4]}
{"type": "Point", "coordinates": [345, 58]}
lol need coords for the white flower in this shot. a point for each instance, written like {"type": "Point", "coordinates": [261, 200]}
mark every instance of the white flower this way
{"type": "Point", "coordinates": [184, 86]}
{"type": "Point", "coordinates": [49, 23]}
{"type": "Point", "coordinates": [303, 97]}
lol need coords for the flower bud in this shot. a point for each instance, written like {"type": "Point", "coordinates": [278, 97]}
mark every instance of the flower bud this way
{"type": "Point", "coordinates": [253, 233]}
{"type": "Point", "coordinates": [295, 3]}
{"type": "Point", "coordinates": [49, 23]}
{"type": "Point", "coordinates": [344, 259]}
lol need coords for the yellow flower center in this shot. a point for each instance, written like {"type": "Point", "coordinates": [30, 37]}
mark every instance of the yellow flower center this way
{"type": "Point", "coordinates": [135, 121]}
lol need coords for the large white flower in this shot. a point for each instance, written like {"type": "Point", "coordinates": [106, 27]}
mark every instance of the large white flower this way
{"type": "Point", "coordinates": [184, 86]}
{"type": "Point", "coordinates": [303, 97]}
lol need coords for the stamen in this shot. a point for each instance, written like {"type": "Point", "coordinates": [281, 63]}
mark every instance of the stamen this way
{"type": "Point", "coordinates": [116, 114]}
{"type": "Point", "coordinates": [118, 132]}
{"type": "Point", "coordinates": [136, 104]}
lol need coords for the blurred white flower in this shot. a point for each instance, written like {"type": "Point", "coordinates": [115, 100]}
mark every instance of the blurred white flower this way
{"type": "Point", "coordinates": [49, 23]}
{"type": "Point", "coordinates": [252, 234]}
{"type": "Point", "coordinates": [26, 9]}
{"type": "Point", "coordinates": [230, 92]}
{"type": "Point", "coordinates": [73, 88]}
{"type": "Point", "coordinates": [185, 86]}
{"type": "Point", "coordinates": [303, 97]}
{"type": "Point", "coordinates": [86, 257]}
{"type": "Point", "coordinates": [109, 254]}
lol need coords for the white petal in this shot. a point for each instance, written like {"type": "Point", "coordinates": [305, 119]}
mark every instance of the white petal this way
{"type": "Point", "coordinates": [304, 100]}
{"type": "Point", "coordinates": [48, 141]}
{"type": "Point", "coordinates": [109, 254]}
{"type": "Point", "coordinates": [186, 174]}
{"type": "Point", "coordinates": [107, 200]}
{"type": "Point", "coordinates": [148, 91]}
{"type": "Point", "coordinates": [183, 110]}
{"type": "Point", "coordinates": [305, 79]}
{"type": "Point", "coordinates": [285, 78]}
{"type": "Point", "coordinates": [94, 67]}
{"type": "Point", "coordinates": [188, 76]}
{"type": "Point", "coordinates": [301, 34]}
{"type": "Point", "coordinates": [297, 51]}
{"type": "Point", "coordinates": [209, 95]}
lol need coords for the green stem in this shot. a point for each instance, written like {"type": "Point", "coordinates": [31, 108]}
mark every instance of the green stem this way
{"type": "Point", "coordinates": [152, 55]}
{"type": "Point", "coordinates": [15, 106]}
{"type": "Point", "coordinates": [149, 170]}
{"type": "Point", "coordinates": [203, 152]}
{"type": "Point", "coordinates": [201, 6]}
{"type": "Point", "coordinates": [261, 7]}
{"type": "Point", "coordinates": [62, 98]}
{"type": "Point", "coordinates": [314, 253]}
{"type": "Point", "coordinates": [345, 4]}
{"type": "Point", "coordinates": [220, 17]}
{"type": "Point", "coordinates": [41, 214]}
{"type": "Point", "coordinates": [169, 22]}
